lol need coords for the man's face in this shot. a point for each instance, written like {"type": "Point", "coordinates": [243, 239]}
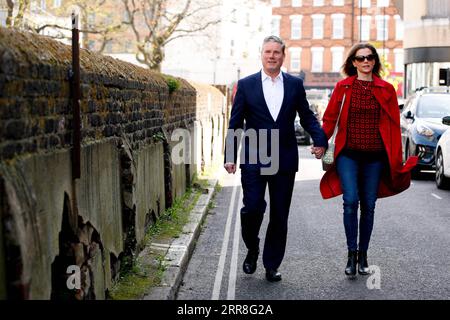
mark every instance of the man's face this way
{"type": "Point", "coordinates": [272, 57]}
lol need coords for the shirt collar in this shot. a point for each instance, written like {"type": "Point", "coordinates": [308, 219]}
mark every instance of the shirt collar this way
{"type": "Point", "coordinates": [265, 76]}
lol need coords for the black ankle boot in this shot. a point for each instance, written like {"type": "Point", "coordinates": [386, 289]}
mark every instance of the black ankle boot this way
{"type": "Point", "coordinates": [350, 269]}
{"type": "Point", "coordinates": [363, 266]}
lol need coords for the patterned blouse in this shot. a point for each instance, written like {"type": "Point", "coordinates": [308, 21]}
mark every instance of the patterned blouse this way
{"type": "Point", "coordinates": [363, 127]}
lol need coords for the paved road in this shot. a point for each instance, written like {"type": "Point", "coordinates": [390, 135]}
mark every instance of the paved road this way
{"type": "Point", "coordinates": [409, 249]}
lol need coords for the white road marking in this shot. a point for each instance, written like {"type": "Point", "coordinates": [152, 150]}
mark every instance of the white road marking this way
{"type": "Point", "coordinates": [436, 196]}
{"type": "Point", "coordinates": [234, 255]}
{"type": "Point", "coordinates": [223, 252]}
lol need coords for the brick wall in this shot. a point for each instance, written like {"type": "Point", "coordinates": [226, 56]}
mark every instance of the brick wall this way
{"type": "Point", "coordinates": [48, 219]}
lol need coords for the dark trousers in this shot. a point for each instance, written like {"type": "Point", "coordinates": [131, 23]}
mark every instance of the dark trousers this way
{"type": "Point", "coordinates": [252, 213]}
{"type": "Point", "coordinates": [359, 174]}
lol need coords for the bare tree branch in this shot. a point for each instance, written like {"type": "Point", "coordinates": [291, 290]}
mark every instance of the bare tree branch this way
{"type": "Point", "coordinates": [154, 23]}
{"type": "Point", "coordinates": [189, 33]}
{"type": "Point", "coordinates": [163, 25]}
{"type": "Point", "coordinates": [131, 17]}
{"type": "Point", "coordinates": [102, 32]}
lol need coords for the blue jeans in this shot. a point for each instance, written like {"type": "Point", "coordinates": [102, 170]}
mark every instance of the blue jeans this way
{"type": "Point", "coordinates": [359, 174]}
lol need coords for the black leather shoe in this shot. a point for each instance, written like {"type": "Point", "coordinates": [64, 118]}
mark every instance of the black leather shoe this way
{"type": "Point", "coordinates": [250, 261]}
{"type": "Point", "coordinates": [363, 266]}
{"type": "Point", "coordinates": [350, 269]}
{"type": "Point", "coordinates": [273, 275]}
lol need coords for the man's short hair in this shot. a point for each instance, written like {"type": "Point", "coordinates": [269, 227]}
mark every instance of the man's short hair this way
{"type": "Point", "coordinates": [275, 39]}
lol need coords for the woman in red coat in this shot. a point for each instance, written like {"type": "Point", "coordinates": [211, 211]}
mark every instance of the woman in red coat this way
{"type": "Point", "coordinates": [368, 152]}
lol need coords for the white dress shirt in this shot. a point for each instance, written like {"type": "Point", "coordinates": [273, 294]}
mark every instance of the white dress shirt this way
{"type": "Point", "coordinates": [273, 92]}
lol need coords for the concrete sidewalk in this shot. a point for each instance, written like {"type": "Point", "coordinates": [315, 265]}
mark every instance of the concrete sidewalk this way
{"type": "Point", "coordinates": [178, 251]}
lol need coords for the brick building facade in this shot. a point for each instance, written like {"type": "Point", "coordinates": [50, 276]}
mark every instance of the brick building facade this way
{"type": "Point", "coordinates": [319, 34]}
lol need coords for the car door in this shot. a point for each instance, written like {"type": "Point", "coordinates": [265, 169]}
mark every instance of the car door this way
{"type": "Point", "coordinates": [445, 145]}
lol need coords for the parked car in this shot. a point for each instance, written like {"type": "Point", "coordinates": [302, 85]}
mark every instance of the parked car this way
{"type": "Point", "coordinates": [421, 125]}
{"type": "Point", "coordinates": [301, 135]}
{"type": "Point", "coordinates": [443, 157]}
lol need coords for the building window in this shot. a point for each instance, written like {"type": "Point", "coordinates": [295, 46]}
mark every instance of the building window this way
{"type": "Point", "coordinates": [398, 56]}
{"type": "Point", "coordinates": [338, 25]}
{"type": "Point", "coordinates": [438, 9]}
{"type": "Point", "coordinates": [128, 46]}
{"type": "Point", "coordinates": [108, 47]}
{"type": "Point", "coordinates": [382, 27]}
{"type": "Point", "coordinates": [296, 27]}
{"type": "Point", "coordinates": [109, 19]}
{"type": "Point", "coordinates": [91, 45]}
{"type": "Point", "coordinates": [276, 3]}
{"type": "Point", "coordinates": [233, 16]}
{"type": "Point", "coordinates": [364, 3]}
{"type": "Point", "coordinates": [398, 28]}
{"type": "Point", "coordinates": [338, 58]}
{"type": "Point", "coordinates": [382, 3]}
{"type": "Point", "coordinates": [338, 2]}
{"type": "Point", "coordinates": [34, 6]}
{"type": "Point", "coordinates": [276, 25]}
{"type": "Point", "coordinates": [56, 3]}
{"type": "Point", "coordinates": [318, 25]}
{"type": "Point", "coordinates": [296, 3]}
{"type": "Point", "coordinates": [91, 20]}
{"type": "Point", "coordinates": [318, 3]}
{"type": "Point", "coordinates": [317, 59]}
{"type": "Point", "coordinates": [364, 27]}
{"type": "Point", "coordinates": [126, 16]}
{"type": "Point", "coordinates": [295, 54]}
{"type": "Point", "coordinates": [3, 16]}
{"type": "Point", "coordinates": [383, 54]}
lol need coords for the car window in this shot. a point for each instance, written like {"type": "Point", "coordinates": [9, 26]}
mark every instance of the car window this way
{"type": "Point", "coordinates": [434, 106]}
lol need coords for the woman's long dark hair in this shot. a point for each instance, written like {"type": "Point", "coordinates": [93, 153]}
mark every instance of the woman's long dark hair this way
{"type": "Point", "coordinates": [349, 70]}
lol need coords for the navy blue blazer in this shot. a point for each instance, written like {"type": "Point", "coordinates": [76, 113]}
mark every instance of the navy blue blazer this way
{"type": "Point", "coordinates": [250, 106]}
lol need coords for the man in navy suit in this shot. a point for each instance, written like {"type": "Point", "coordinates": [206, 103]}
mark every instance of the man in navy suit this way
{"type": "Point", "coordinates": [268, 102]}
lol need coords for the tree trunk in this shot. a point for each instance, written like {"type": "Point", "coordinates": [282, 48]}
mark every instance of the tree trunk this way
{"type": "Point", "coordinates": [9, 19]}
{"type": "Point", "coordinates": [18, 20]}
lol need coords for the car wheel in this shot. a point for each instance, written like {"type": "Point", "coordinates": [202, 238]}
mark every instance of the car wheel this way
{"type": "Point", "coordinates": [442, 182]}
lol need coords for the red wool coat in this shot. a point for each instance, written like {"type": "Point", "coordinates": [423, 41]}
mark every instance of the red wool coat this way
{"type": "Point", "coordinates": [397, 176]}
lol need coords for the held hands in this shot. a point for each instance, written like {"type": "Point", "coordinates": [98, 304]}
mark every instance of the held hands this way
{"type": "Point", "coordinates": [230, 167]}
{"type": "Point", "coordinates": [318, 152]}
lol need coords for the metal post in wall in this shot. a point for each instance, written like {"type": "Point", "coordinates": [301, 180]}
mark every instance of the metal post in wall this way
{"type": "Point", "coordinates": [75, 82]}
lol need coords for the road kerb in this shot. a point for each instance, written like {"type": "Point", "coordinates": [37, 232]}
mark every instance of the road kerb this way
{"type": "Point", "coordinates": [180, 250]}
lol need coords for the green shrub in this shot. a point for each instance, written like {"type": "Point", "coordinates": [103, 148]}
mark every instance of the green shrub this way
{"type": "Point", "coordinates": [172, 83]}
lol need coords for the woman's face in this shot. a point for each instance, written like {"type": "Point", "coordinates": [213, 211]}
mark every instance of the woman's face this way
{"type": "Point", "coordinates": [364, 61]}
